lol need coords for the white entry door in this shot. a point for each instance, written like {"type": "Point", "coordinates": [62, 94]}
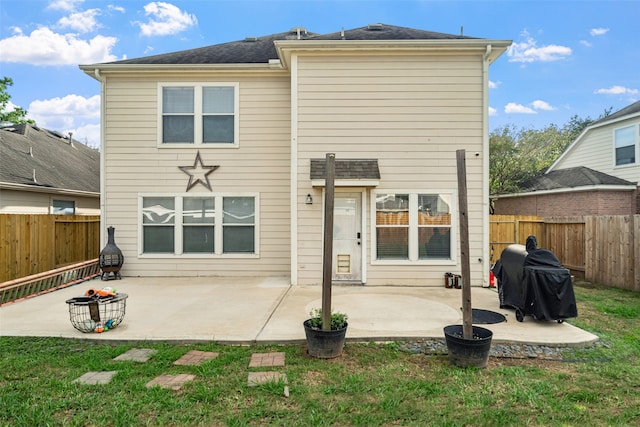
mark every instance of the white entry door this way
{"type": "Point", "coordinates": [347, 237]}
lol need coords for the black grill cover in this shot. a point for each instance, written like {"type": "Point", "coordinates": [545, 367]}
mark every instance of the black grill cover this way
{"type": "Point", "coordinates": [533, 281]}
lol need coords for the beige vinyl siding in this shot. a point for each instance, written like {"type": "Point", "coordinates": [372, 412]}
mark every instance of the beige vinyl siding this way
{"type": "Point", "coordinates": [596, 151]}
{"type": "Point", "coordinates": [135, 165]}
{"type": "Point", "coordinates": [32, 202]}
{"type": "Point", "coordinates": [411, 112]}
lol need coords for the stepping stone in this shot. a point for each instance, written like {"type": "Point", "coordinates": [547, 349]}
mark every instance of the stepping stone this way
{"type": "Point", "coordinates": [137, 355]}
{"type": "Point", "coordinates": [103, 377]}
{"type": "Point", "coordinates": [195, 358]}
{"type": "Point", "coordinates": [266, 359]}
{"type": "Point", "coordinates": [257, 378]}
{"type": "Point", "coordinates": [174, 382]}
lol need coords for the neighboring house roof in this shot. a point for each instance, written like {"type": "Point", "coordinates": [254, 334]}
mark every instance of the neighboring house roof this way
{"type": "Point", "coordinates": [255, 50]}
{"type": "Point", "coordinates": [625, 113]}
{"type": "Point", "coordinates": [36, 159]}
{"type": "Point", "coordinates": [571, 178]}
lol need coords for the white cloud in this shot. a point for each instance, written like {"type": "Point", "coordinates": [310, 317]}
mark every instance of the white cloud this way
{"type": "Point", "coordinates": [493, 85]}
{"type": "Point", "coordinates": [541, 105]}
{"type": "Point", "coordinates": [73, 113]}
{"type": "Point", "coordinates": [44, 47]}
{"type": "Point", "coordinates": [165, 19]}
{"type": "Point", "coordinates": [513, 108]}
{"type": "Point", "coordinates": [598, 31]}
{"type": "Point", "coordinates": [68, 5]}
{"type": "Point", "coordinates": [492, 111]}
{"type": "Point", "coordinates": [585, 43]}
{"type": "Point", "coordinates": [87, 134]}
{"type": "Point", "coordinates": [83, 22]}
{"type": "Point", "coordinates": [528, 51]}
{"type": "Point", "coordinates": [617, 90]}
{"type": "Point", "coordinates": [116, 8]}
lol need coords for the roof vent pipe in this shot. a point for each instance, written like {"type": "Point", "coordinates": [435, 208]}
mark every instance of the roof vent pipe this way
{"type": "Point", "coordinates": [71, 139]}
{"type": "Point", "coordinates": [34, 177]}
{"type": "Point", "coordinates": [31, 151]}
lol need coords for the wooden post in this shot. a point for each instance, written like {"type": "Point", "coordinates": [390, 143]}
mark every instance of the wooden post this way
{"type": "Point", "coordinates": [467, 316]}
{"type": "Point", "coordinates": [327, 257]}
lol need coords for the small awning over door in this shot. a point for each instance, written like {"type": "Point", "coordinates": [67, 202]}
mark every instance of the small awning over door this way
{"type": "Point", "coordinates": [349, 172]}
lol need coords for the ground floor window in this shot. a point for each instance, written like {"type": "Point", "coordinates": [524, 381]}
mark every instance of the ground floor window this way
{"type": "Point", "coordinates": [203, 225]}
{"type": "Point", "coordinates": [413, 226]}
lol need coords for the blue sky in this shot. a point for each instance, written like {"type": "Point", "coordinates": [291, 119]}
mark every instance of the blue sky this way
{"type": "Point", "coordinates": [568, 58]}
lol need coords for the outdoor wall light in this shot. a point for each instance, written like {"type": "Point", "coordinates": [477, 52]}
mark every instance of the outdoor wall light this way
{"type": "Point", "coordinates": [309, 199]}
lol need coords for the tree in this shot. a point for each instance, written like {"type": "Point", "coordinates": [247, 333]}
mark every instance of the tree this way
{"type": "Point", "coordinates": [516, 156]}
{"type": "Point", "coordinates": [18, 115]}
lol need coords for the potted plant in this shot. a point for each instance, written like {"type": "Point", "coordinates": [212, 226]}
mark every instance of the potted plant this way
{"type": "Point", "coordinates": [326, 330]}
{"type": "Point", "coordinates": [325, 344]}
{"type": "Point", "coordinates": [467, 345]}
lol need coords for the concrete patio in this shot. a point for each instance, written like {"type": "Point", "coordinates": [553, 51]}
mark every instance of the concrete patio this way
{"type": "Point", "coordinates": [257, 310]}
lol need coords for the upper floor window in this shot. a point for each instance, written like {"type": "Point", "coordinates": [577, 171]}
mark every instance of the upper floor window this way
{"type": "Point", "coordinates": [63, 207]}
{"type": "Point", "coordinates": [626, 143]}
{"type": "Point", "coordinates": [199, 114]}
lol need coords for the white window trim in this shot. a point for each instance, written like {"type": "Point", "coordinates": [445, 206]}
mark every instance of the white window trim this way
{"type": "Point", "coordinates": [413, 228]}
{"type": "Point", "coordinates": [636, 137]}
{"type": "Point", "coordinates": [218, 225]}
{"type": "Point", "coordinates": [197, 113]}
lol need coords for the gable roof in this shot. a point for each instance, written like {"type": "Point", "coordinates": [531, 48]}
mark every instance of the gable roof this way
{"type": "Point", "coordinates": [57, 163]}
{"type": "Point", "coordinates": [571, 179]}
{"type": "Point", "coordinates": [255, 50]}
{"type": "Point", "coordinates": [627, 112]}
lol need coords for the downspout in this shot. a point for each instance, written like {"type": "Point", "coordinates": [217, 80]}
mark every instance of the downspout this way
{"type": "Point", "coordinates": [486, 254]}
{"type": "Point", "coordinates": [103, 157]}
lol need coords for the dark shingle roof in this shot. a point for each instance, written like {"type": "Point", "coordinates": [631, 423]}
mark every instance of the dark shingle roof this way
{"type": "Point", "coordinates": [57, 163]}
{"type": "Point", "coordinates": [571, 178]}
{"type": "Point", "coordinates": [626, 111]}
{"type": "Point", "coordinates": [347, 169]}
{"type": "Point", "coordinates": [256, 50]}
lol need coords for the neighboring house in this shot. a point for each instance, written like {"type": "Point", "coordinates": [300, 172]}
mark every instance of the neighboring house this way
{"type": "Point", "coordinates": [45, 172]}
{"type": "Point", "coordinates": [213, 158]}
{"type": "Point", "coordinates": [598, 174]}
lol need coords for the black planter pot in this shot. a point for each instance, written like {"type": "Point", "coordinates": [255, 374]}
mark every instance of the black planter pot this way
{"type": "Point", "coordinates": [324, 344]}
{"type": "Point", "coordinates": [466, 353]}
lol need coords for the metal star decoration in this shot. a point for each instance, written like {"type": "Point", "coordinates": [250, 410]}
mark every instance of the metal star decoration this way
{"type": "Point", "coordinates": [198, 173]}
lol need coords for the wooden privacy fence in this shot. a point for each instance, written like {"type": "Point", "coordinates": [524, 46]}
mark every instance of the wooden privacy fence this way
{"type": "Point", "coordinates": [602, 249]}
{"type": "Point", "coordinates": [31, 244]}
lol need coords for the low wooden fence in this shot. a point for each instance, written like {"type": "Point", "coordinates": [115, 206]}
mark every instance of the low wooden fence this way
{"type": "Point", "coordinates": [31, 244]}
{"type": "Point", "coordinates": [602, 249]}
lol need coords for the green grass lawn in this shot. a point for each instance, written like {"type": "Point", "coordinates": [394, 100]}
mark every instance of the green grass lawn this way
{"type": "Point", "coordinates": [369, 385]}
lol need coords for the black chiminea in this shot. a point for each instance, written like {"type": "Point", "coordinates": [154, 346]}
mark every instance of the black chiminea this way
{"type": "Point", "coordinates": [111, 258]}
